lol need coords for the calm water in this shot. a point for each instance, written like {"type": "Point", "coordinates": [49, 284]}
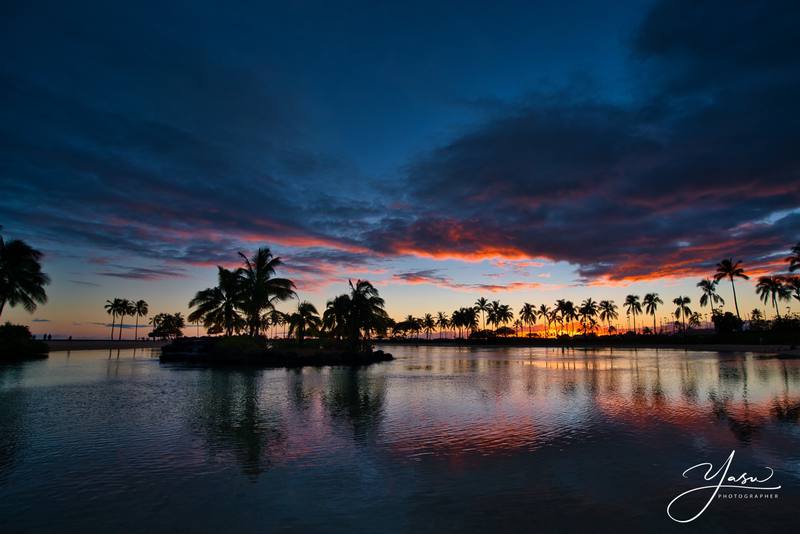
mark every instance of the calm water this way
{"type": "Point", "coordinates": [442, 439]}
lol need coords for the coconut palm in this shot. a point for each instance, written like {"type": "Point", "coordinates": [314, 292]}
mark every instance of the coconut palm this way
{"type": "Point", "coordinates": [794, 258]}
{"type": "Point", "coordinates": [367, 313]}
{"type": "Point", "coordinates": [140, 310]}
{"type": "Point", "coordinates": [587, 311]}
{"type": "Point", "coordinates": [126, 307]}
{"type": "Point", "coordinates": [608, 312]}
{"type": "Point", "coordinates": [259, 290]}
{"type": "Point", "coordinates": [428, 323]}
{"type": "Point", "coordinates": [651, 302]}
{"type": "Point", "coordinates": [334, 319]}
{"type": "Point", "coordinates": [482, 306]}
{"type": "Point", "coordinates": [276, 319]}
{"type": "Point", "coordinates": [793, 283]}
{"type": "Point", "coordinates": [219, 306]}
{"type": "Point", "coordinates": [773, 288]}
{"type": "Point", "coordinates": [710, 295]}
{"type": "Point", "coordinates": [21, 278]}
{"type": "Point", "coordinates": [527, 315]}
{"type": "Point", "coordinates": [682, 312]}
{"type": "Point", "coordinates": [730, 270]}
{"type": "Point", "coordinates": [544, 312]}
{"type": "Point", "coordinates": [111, 307]}
{"type": "Point", "coordinates": [305, 320]}
{"type": "Point", "coordinates": [442, 322]}
{"type": "Point", "coordinates": [633, 307]}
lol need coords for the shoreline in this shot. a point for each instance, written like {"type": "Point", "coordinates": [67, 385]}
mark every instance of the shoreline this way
{"type": "Point", "coordinates": [99, 344]}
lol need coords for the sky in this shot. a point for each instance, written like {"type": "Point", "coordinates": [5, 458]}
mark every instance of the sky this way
{"type": "Point", "coordinates": [521, 151]}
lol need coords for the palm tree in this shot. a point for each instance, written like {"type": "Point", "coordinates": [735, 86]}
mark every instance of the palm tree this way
{"type": "Point", "coordinates": [428, 323]}
{"type": "Point", "coordinates": [259, 290]}
{"type": "Point", "coordinates": [367, 313]}
{"type": "Point", "coordinates": [608, 312]}
{"type": "Point", "coordinates": [304, 320]}
{"type": "Point", "coordinates": [682, 311]}
{"type": "Point", "coordinates": [442, 322]}
{"type": "Point", "coordinates": [728, 269]}
{"type": "Point", "coordinates": [276, 318]}
{"type": "Point", "coordinates": [773, 288]}
{"type": "Point", "coordinates": [587, 311]}
{"type": "Point", "coordinates": [21, 278]}
{"type": "Point", "coordinates": [793, 283]}
{"type": "Point", "coordinates": [651, 302]}
{"type": "Point", "coordinates": [219, 306]}
{"type": "Point", "coordinates": [334, 319]}
{"type": "Point", "coordinates": [111, 308]}
{"type": "Point", "coordinates": [527, 315]}
{"type": "Point", "coordinates": [140, 310]}
{"type": "Point", "coordinates": [794, 258]}
{"type": "Point", "coordinates": [544, 312]}
{"type": "Point", "coordinates": [633, 307]}
{"type": "Point", "coordinates": [710, 295]}
{"type": "Point", "coordinates": [503, 314]}
{"type": "Point", "coordinates": [125, 308]}
{"type": "Point", "coordinates": [482, 307]}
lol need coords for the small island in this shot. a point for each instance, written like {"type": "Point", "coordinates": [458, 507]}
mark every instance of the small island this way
{"type": "Point", "coordinates": [17, 344]}
{"type": "Point", "coordinates": [243, 350]}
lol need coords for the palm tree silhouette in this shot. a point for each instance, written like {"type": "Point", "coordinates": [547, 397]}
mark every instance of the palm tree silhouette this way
{"type": "Point", "coordinates": [367, 313]}
{"type": "Point", "coordinates": [682, 311]}
{"type": "Point", "coordinates": [111, 307]}
{"type": "Point", "coordinates": [219, 306]}
{"type": "Point", "coordinates": [304, 320]}
{"type": "Point", "coordinates": [140, 310]}
{"type": "Point", "coordinates": [587, 311]}
{"type": "Point", "coordinates": [794, 258]}
{"type": "Point", "coordinates": [710, 295]}
{"type": "Point", "coordinates": [482, 307]}
{"type": "Point", "coordinates": [442, 321]}
{"type": "Point", "coordinates": [728, 269]}
{"type": "Point", "coordinates": [527, 315]}
{"type": "Point", "coordinates": [21, 278]}
{"type": "Point", "coordinates": [633, 307]}
{"type": "Point", "coordinates": [651, 302]}
{"type": "Point", "coordinates": [504, 315]}
{"type": "Point", "coordinates": [608, 312]}
{"type": "Point", "coordinates": [125, 308]}
{"type": "Point", "coordinates": [259, 289]}
{"type": "Point", "coordinates": [334, 319]}
{"type": "Point", "coordinates": [773, 288]}
{"type": "Point", "coordinates": [544, 312]}
{"type": "Point", "coordinates": [428, 323]}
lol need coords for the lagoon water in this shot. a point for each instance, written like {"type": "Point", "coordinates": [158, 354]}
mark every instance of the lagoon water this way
{"type": "Point", "coordinates": [441, 439]}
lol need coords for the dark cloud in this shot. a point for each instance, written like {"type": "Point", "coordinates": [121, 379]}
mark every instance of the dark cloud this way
{"type": "Point", "coordinates": [40, 320]}
{"type": "Point", "coordinates": [690, 171]}
{"type": "Point", "coordinates": [142, 273]}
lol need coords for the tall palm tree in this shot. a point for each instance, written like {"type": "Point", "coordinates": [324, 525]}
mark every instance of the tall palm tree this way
{"type": "Point", "coordinates": [527, 315]}
{"type": "Point", "coordinates": [730, 270]}
{"type": "Point", "coordinates": [608, 312]}
{"type": "Point", "coordinates": [633, 307]}
{"type": "Point", "coordinates": [111, 307]}
{"type": "Point", "coordinates": [428, 323]}
{"type": "Point", "coordinates": [587, 311]}
{"type": "Point", "coordinates": [259, 288]}
{"type": "Point", "coordinates": [482, 306]}
{"type": "Point", "coordinates": [334, 319]}
{"type": "Point", "coordinates": [276, 318]}
{"type": "Point", "coordinates": [544, 312]}
{"type": "Point", "coordinates": [219, 306]}
{"type": "Point", "coordinates": [503, 314]}
{"type": "Point", "coordinates": [773, 288]}
{"type": "Point", "coordinates": [304, 320]}
{"type": "Point", "coordinates": [651, 302]}
{"type": "Point", "coordinates": [442, 322]}
{"type": "Point", "coordinates": [140, 310]}
{"type": "Point", "coordinates": [126, 307]}
{"type": "Point", "coordinates": [682, 312]}
{"type": "Point", "coordinates": [21, 278]}
{"type": "Point", "coordinates": [794, 258]}
{"type": "Point", "coordinates": [367, 313]}
{"type": "Point", "coordinates": [710, 295]}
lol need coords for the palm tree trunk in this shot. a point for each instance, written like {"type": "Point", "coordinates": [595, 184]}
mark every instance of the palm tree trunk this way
{"type": "Point", "coordinates": [775, 303]}
{"type": "Point", "coordinates": [2, 305]}
{"type": "Point", "coordinates": [113, 320]}
{"type": "Point", "coordinates": [121, 318]}
{"type": "Point", "coordinates": [634, 323]}
{"type": "Point", "coordinates": [136, 329]}
{"type": "Point", "coordinates": [654, 324]}
{"type": "Point", "coordinates": [735, 302]}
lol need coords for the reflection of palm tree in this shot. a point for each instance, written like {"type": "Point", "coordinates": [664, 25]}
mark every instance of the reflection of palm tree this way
{"type": "Point", "coordinates": [633, 307]}
{"type": "Point", "coordinates": [651, 302]}
{"type": "Point", "coordinates": [772, 288]}
{"type": "Point", "coordinates": [728, 269]}
{"type": "Point", "coordinates": [21, 278]}
{"type": "Point", "coordinates": [360, 399]}
{"type": "Point", "coordinates": [608, 312]}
